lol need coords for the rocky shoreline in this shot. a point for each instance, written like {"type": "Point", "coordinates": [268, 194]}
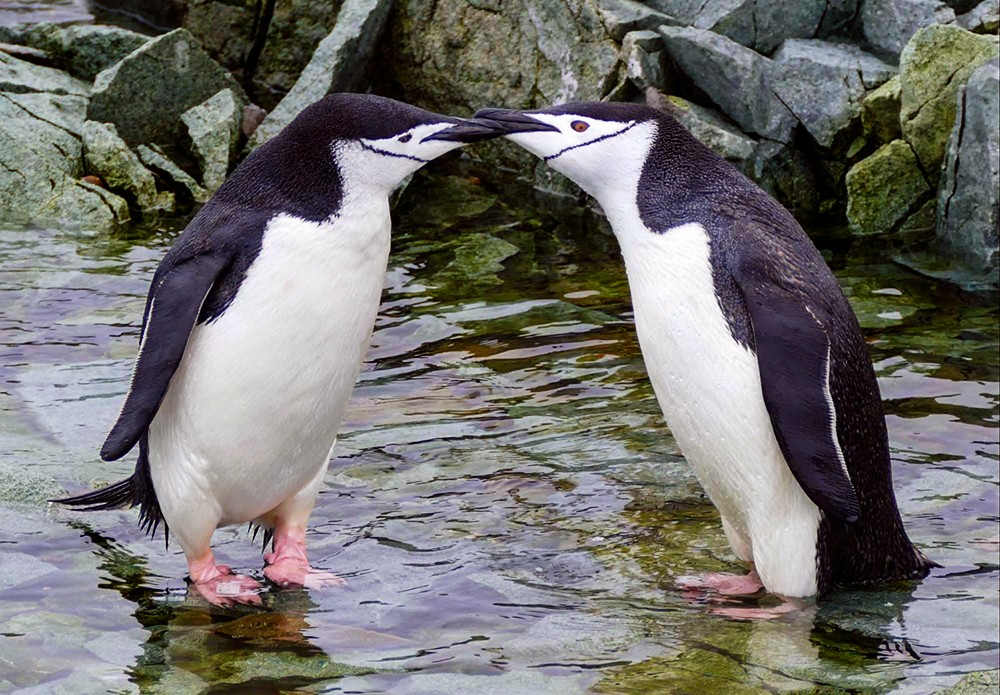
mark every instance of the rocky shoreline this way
{"type": "Point", "coordinates": [875, 114]}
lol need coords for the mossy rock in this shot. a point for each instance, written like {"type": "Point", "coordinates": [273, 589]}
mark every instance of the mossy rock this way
{"type": "Point", "coordinates": [880, 113]}
{"type": "Point", "coordinates": [884, 189]}
{"type": "Point", "coordinates": [935, 64]}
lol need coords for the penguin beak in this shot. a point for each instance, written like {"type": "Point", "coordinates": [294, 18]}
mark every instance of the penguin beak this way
{"type": "Point", "coordinates": [512, 122]}
{"type": "Point", "coordinates": [468, 130]}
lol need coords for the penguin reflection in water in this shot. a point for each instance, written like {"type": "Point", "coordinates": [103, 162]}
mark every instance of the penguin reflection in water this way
{"type": "Point", "coordinates": [753, 351]}
{"type": "Point", "coordinates": [255, 327]}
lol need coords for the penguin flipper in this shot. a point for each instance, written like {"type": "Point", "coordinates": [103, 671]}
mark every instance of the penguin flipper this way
{"type": "Point", "coordinates": [793, 356]}
{"type": "Point", "coordinates": [174, 303]}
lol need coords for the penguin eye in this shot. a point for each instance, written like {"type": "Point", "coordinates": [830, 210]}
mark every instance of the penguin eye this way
{"type": "Point", "coordinates": [579, 126]}
{"type": "Point", "coordinates": [406, 138]}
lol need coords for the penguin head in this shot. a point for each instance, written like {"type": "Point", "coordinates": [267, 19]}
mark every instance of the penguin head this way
{"type": "Point", "coordinates": [379, 141]}
{"type": "Point", "coordinates": [598, 145]}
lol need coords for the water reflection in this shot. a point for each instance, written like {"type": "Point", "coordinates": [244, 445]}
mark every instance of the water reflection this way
{"type": "Point", "coordinates": [505, 502]}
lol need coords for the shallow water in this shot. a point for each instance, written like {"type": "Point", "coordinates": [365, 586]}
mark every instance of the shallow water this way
{"type": "Point", "coordinates": [505, 501]}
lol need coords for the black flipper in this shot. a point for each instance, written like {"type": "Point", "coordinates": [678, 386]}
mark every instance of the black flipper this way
{"type": "Point", "coordinates": [793, 355]}
{"type": "Point", "coordinates": [175, 301]}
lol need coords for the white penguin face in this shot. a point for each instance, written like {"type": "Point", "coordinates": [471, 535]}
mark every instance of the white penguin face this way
{"type": "Point", "coordinates": [598, 154]}
{"type": "Point", "coordinates": [386, 162]}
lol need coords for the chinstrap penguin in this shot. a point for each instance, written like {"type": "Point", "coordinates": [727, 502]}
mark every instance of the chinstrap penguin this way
{"type": "Point", "coordinates": [255, 327]}
{"type": "Point", "coordinates": [755, 356]}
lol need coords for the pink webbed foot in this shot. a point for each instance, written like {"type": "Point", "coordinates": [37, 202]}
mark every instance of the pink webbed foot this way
{"type": "Point", "coordinates": [219, 586]}
{"type": "Point", "coordinates": [722, 583]}
{"type": "Point", "coordinates": [288, 565]}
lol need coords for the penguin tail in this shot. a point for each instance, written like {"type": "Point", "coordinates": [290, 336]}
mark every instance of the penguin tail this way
{"type": "Point", "coordinates": [135, 491]}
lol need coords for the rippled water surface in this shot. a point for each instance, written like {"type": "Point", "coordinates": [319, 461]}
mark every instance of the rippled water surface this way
{"type": "Point", "coordinates": [505, 501]}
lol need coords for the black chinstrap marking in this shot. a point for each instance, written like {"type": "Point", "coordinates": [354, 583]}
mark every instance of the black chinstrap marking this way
{"type": "Point", "coordinates": [591, 142]}
{"type": "Point", "coordinates": [392, 154]}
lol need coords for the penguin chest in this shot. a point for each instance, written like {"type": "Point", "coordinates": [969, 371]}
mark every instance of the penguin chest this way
{"type": "Point", "coordinates": [253, 410]}
{"type": "Point", "coordinates": [708, 386]}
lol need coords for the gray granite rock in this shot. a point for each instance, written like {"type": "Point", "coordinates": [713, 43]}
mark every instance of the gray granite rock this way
{"type": "Point", "coordinates": [968, 208]}
{"type": "Point", "coordinates": [159, 163]}
{"type": "Point", "coordinates": [620, 17]}
{"type": "Point", "coordinates": [984, 18]}
{"type": "Point", "coordinates": [337, 65]}
{"type": "Point", "coordinates": [108, 157]}
{"type": "Point", "coordinates": [837, 20]}
{"type": "Point", "coordinates": [19, 76]}
{"type": "Point", "coordinates": [824, 84]}
{"type": "Point", "coordinates": [887, 25]}
{"type": "Point", "coordinates": [214, 128]}
{"type": "Point", "coordinates": [734, 77]}
{"type": "Point", "coordinates": [89, 49]}
{"type": "Point", "coordinates": [645, 59]}
{"type": "Point", "coordinates": [145, 94]}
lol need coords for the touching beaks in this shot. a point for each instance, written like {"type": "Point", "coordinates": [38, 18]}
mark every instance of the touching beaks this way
{"type": "Point", "coordinates": [512, 121]}
{"type": "Point", "coordinates": [468, 130]}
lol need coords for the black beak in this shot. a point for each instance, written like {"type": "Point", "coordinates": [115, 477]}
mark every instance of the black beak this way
{"type": "Point", "coordinates": [513, 121]}
{"type": "Point", "coordinates": [468, 130]}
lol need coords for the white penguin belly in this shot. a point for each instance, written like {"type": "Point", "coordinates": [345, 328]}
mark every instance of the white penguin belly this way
{"type": "Point", "coordinates": [253, 410]}
{"type": "Point", "coordinates": [708, 386]}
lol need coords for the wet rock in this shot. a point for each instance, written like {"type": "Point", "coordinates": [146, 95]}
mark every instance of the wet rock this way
{"type": "Point", "coordinates": [158, 162]}
{"type": "Point", "coordinates": [978, 683]}
{"type": "Point", "coordinates": [41, 163]}
{"type": "Point", "coordinates": [709, 126]}
{"type": "Point", "coordinates": [824, 83]}
{"type": "Point", "coordinates": [106, 156]}
{"type": "Point", "coordinates": [734, 77]}
{"type": "Point", "coordinates": [21, 568]}
{"type": "Point", "coordinates": [145, 94]}
{"type": "Point", "coordinates": [884, 189]}
{"type": "Point", "coordinates": [880, 113]}
{"type": "Point", "coordinates": [214, 128]}
{"type": "Point", "coordinates": [19, 76]}
{"type": "Point", "coordinates": [20, 483]}
{"type": "Point", "coordinates": [887, 25]}
{"type": "Point", "coordinates": [968, 208]}
{"type": "Point", "coordinates": [785, 173]}
{"type": "Point", "coordinates": [984, 18]}
{"type": "Point", "coordinates": [933, 67]}
{"type": "Point", "coordinates": [644, 58]}
{"type": "Point", "coordinates": [337, 65]}
{"type": "Point", "coordinates": [620, 17]}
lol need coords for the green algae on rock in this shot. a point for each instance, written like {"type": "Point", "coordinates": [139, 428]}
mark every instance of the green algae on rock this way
{"type": "Point", "coordinates": [884, 189]}
{"type": "Point", "coordinates": [936, 62]}
{"type": "Point", "coordinates": [880, 113]}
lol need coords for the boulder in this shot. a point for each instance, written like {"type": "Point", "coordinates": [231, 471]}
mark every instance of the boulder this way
{"type": "Point", "coordinates": [968, 208]}
{"type": "Point", "coordinates": [880, 113]}
{"type": "Point", "coordinates": [644, 58]}
{"type": "Point", "coordinates": [214, 129]}
{"type": "Point", "coordinates": [106, 156]}
{"type": "Point", "coordinates": [41, 164]}
{"type": "Point", "coordinates": [984, 18]}
{"type": "Point", "coordinates": [735, 78]}
{"type": "Point", "coordinates": [155, 160]}
{"type": "Point", "coordinates": [933, 67]}
{"type": "Point", "coordinates": [145, 94]}
{"type": "Point", "coordinates": [89, 49]}
{"type": "Point", "coordinates": [883, 190]}
{"type": "Point", "coordinates": [709, 126]}
{"type": "Point", "coordinates": [887, 25]}
{"type": "Point", "coordinates": [620, 17]}
{"type": "Point", "coordinates": [823, 84]}
{"type": "Point", "coordinates": [19, 76]}
{"type": "Point", "coordinates": [338, 64]}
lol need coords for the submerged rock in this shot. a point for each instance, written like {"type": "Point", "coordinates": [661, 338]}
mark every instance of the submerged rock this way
{"type": "Point", "coordinates": [880, 113]}
{"type": "Point", "coordinates": [145, 94]}
{"type": "Point", "coordinates": [933, 67]}
{"type": "Point", "coordinates": [214, 128]}
{"type": "Point", "coordinates": [968, 208]}
{"type": "Point", "coordinates": [734, 77]}
{"type": "Point", "coordinates": [883, 190]}
{"type": "Point", "coordinates": [337, 65]}
{"type": "Point", "coordinates": [887, 25]}
{"type": "Point", "coordinates": [106, 156]}
{"type": "Point", "coordinates": [824, 84]}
